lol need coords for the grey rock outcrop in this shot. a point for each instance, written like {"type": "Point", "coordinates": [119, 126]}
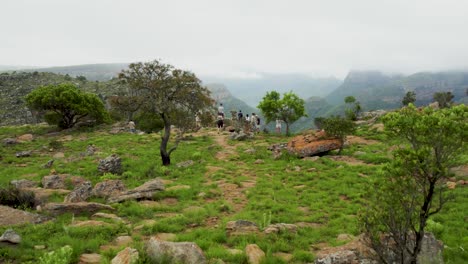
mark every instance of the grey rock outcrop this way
{"type": "Point", "coordinates": [280, 228]}
{"type": "Point", "coordinates": [145, 191]}
{"type": "Point", "coordinates": [126, 256]}
{"type": "Point", "coordinates": [174, 252]}
{"type": "Point", "coordinates": [75, 208]}
{"type": "Point", "coordinates": [60, 181]}
{"type": "Point", "coordinates": [23, 154]}
{"type": "Point", "coordinates": [111, 164]}
{"type": "Point", "coordinates": [21, 184]}
{"type": "Point", "coordinates": [108, 188]}
{"type": "Point", "coordinates": [9, 141]}
{"type": "Point", "coordinates": [10, 236]}
{"type": "Point", "coordinates": [80, 194]}
{"type": "Point", "coordinates": [11, 216]}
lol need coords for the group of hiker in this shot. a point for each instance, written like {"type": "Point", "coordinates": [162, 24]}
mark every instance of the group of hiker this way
{"type": "Point", "coordinates": [252, 120]}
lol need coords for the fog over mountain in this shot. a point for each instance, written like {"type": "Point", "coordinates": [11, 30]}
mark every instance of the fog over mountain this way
{"type": "Point", "coordinates": [240, 38]}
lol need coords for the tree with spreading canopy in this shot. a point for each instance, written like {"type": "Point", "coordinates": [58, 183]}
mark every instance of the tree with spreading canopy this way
{"type": "Point", "coordinates": [69, 104]}
{"type": "Point", "coordinates": [410, 97]}
{"type": "Point", "coordinates": [412, 187]}
{"type": "Point", "coordinates": [171, 93]}
{"type": "Point", "coordinates": [353, 112]}
{"type": "Point", "coordinates": [338, 127]}
{"type": "Point", "coordinates": [443, 98]}
{"type": "Point", "coordinates": [289, 108]}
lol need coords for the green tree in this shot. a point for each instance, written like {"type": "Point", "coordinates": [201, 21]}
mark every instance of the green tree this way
{"type": "Point", "coordinates": [169, 93]}
{"type": "Point", "coordinates": [289, 108]}
{"type": "Point", "coordinates": [338, 127]}
{"type": "Point", "coordinates": [411, 189]}
{"type": "Point", "coordinates": [353, 112]}
{"type": "Point", "coordinates": [68, 102]}
{"type": "Point", "coordinates": [410, 97]}
{"type": "Point", "coordinates": [443, 98]}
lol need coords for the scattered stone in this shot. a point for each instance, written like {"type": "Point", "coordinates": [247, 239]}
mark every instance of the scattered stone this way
{"type": "Point", "coordinates": [65, 138]}
{"type": "Point", "coordinates": [25, 138]}
{"type": "Point", "coordinates": [166, 236]}
{"type": "Point", "coordinates": [108, 188]}
{"type": "Point", "coordinates": [241, 136]}
{"type": "Point", "coordinates": [254, 253]}
{"type": "Point", "coordinates": [358, 251]}
{"type": "Point", "coordinates": [241, 227]}
{"type": "Point", "coordinates": [185, 164]}
{"type": "Point", "coordinates": [297, 168]}
{"type": "Point", "coordinates": [10, 236]}
{"type": "Point", "coordinates": [280, 228]}
{"type": "Point", "coordinates": [250, 151]}
{"type": "Point", "coordinates": [451, 185]}
{"type": "Point", "coordinates": [311, 169]}
{"type": "Point", "coordinates": [59, 155]}
{"type": "Point", "coordinates": [90, 259]}
{"type": "Point", "coordinates": [111, 164]}
{"type": "Point", "coordinates": [145, 191]}
{"type": "Point", "coordinates": [119, 242]}
{"type": "Point", "coordinates": [48, 164]}
{"type": "Point", "coordinates": [39, 247]}
{"type": "Point", "coordinates": [9, 141]}
{"type": "Point", "coordinates": [259, 161]}
{"type": "Point", "coordinates": [178, 187]}
{"type": "Point", "coordinates": [344, 237]}
{"type": "Point", "coordinates": [10, 216]}
{"type": "Point", "coordinates": [108, 216]}
{"type": "Point", "coordinates": [284, 256]}
{"type": "Point", "coordinates": [358, 153]}
{"type": "Point", "coordinates": [61, 181]}
{"type": "Point", "coordinates": [75, 208]}
{"type": "Point", "coordinates": [175, 252]}
{"type": "Point", "coordinates": [90, 150]}
{"type": "Point", "coordinates": [80, 193]}
{"type": "Point", "coordinates": [23, 154]}
{"type": "Point", "coordinates": [41, 195]}
{"type": "Point", "coordinates": [314, 158]}
{"type": "Point", "coordinates": [21, 184]}
{"type": "Point", "coordinates": [312, 144]}
{"type": "Point", "coordinates": [126, 256]}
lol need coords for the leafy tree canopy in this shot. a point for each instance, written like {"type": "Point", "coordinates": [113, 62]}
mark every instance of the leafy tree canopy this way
{"type": "Point", "coordinates": [410, 98]}
{"type": "Point", "coordinates": [289, 108]}
{"type": "Point", "coordinates": [175, 95]}
{"type": "Point", "coordinates": [443, 98]}
{"type": "Point", "coordinates": [68, 102]}
{"type": "Point", "coordinates": [338, 127]}
{"type": "Point", "coordinates": [412, 187]}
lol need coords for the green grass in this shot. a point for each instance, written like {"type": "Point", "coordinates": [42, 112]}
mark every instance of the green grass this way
{"type": "Point", "coordinates": [325, 192]}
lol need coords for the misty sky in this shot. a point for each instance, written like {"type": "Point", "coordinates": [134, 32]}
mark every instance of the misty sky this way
{"type": "Point", "coordinates": [240, 38]}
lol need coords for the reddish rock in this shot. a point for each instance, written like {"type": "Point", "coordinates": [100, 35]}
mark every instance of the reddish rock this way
{"type": "Point", "coordinates": [254, 253]}
{"type": "Point", "coordinates": [312, 144]}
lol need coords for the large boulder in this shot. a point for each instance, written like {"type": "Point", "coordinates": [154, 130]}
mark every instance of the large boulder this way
{"type": "Point", "coordinates": [9, 141]}
{"type": "Point", "coordinates": [254, 253]}
{"type": "Point", "coordinates": [21, 184]}
{"type": "Point", "coordinates": [145, 191]}
{"type": "Point", "coordinates": [25, 138]}
{"type": "Point", "coordinates": [174, 252]}
{"type": "Point", "coordinates": [75, 208]}
{"type": "Point", "coordinates": [312, 144]}
{"type": "Point", "coordinates": [108, 188]}
{"type": "Point", "coordinates": [126, 256]}
{"type": "Point", "coordinates": [61, 181]}
{"type": "Point", "coordinates": [10, 236]}
{"type": "Point", "coordinates": [10, 216]}
{"type": "Point", "coordinates": [80, 194]}
{"type": "Point", "coordinates": [358, 251]}
{"type": "Point", "coordinates": [111, 164]}
{"type": "Point", "coordinates": [241, 227]}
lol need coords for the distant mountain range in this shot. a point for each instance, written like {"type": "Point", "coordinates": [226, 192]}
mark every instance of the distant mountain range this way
{"type": "Point", "coordinates": [324, 96]}
{"type": "Point", "coordinates": [376, 90]}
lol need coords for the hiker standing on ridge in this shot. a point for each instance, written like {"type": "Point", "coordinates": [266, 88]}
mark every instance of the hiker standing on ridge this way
{"type": "Point", "coordinates": [221, 110]}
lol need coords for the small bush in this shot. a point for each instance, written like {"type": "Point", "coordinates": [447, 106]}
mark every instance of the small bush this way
{"type": "Point", "coordinates": [61, 256]}
{"type": "Point", "coordinates": [16, 198]}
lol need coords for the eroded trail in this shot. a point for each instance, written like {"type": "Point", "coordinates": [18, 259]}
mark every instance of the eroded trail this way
{"type": "Point", "coordinates": [232, 190]}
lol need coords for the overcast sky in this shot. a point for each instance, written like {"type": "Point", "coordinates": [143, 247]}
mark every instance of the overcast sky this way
{"type": "Point", "coordinates": [239, 38]}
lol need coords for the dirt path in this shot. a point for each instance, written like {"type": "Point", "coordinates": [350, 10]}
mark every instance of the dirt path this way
{"type": "Point", "coordinates": [233, 193]}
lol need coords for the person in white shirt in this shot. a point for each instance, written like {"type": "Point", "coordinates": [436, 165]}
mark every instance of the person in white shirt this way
{"type": "Point", "coordinates": [247, 118]}
{"type": "Point", "coordinates": [278, 126]}
{"type": "Point", "coordinates": [221, 110]}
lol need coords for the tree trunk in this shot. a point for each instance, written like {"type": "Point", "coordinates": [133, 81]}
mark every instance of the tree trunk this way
{"type": "Point", "coordinates": [165, 156]}
{"type": "Point", "coordinates": [287, 128]}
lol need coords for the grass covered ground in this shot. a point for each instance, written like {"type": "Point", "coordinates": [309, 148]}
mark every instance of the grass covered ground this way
{"type": "Point", "coordinates": [229, 180]}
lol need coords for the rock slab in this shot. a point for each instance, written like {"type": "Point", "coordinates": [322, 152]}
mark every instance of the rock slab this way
{"type": "Point", "coordinates": [75, 208]}
{"type": "Point", "coordinates": [111, 164]}
{"type": "Point", "coordinates": [126, 256]}
{"type": "Point", "coordinates": [10, 236]}
{"type": "Point", "coordinates": [145, 191]}
{"type": "Point", "coordinates": [312, 144]}
{"type": "Point", "coordinates": [174, 252]}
